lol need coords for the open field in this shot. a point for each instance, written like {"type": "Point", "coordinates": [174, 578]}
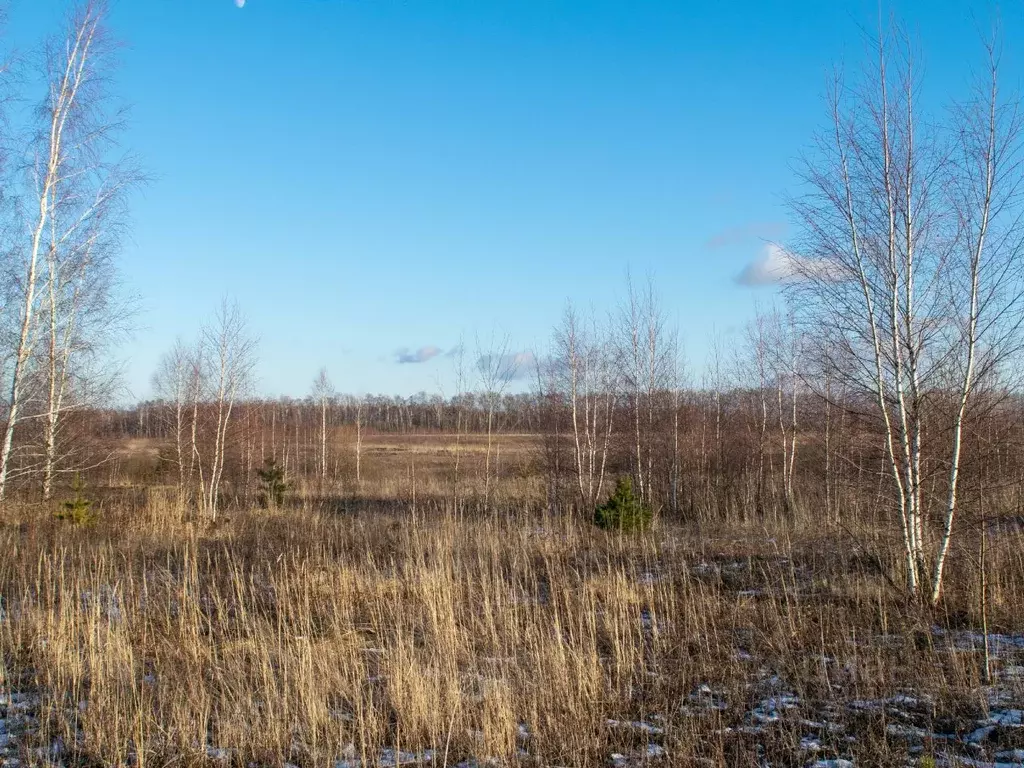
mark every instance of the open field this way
{"type": "Point", "coordinates": [422, 421]}
{"type": "Point", "coordinates": [447, 634]}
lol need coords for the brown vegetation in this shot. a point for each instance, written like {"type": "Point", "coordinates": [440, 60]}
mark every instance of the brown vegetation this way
{"type": "Point", "coordinates": [337, 628]}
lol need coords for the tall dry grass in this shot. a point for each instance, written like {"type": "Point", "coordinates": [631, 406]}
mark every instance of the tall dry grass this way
{"type": "Point", "coordinates": [306, 636]}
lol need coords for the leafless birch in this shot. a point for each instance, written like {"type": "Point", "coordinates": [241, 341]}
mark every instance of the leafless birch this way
{"type": "Point", "coordinates": [644, 353]}
{"type": "Point", "coordinates": [233, 357]}
{"type": "Point", "coordinates": [323, 392]}
{"type": "Point", "coordinates": [74, 189]}
{"type": "Point", "coordinates": [173, 383]}
{"type": "Point", "coordinates": [909, 238]}
{"type": "Point", "coordinates": [588, 383]}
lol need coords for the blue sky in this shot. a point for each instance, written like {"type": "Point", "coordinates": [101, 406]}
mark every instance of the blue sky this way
{"type": "Point", "coordinates": [372, 176]}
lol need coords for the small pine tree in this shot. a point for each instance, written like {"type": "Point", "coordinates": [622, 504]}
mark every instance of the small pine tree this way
{"type": "Point", "coordinates": [623, 511]}
{"type": "Point", "coordinates": [77, 510]}
{"type": "Point", "coordinates": [272, 484]}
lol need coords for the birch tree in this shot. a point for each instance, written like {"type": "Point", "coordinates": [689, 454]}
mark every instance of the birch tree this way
{"type": "Point", "coordinates": [909, 250]}
{"type": "Point", "coordinates": [757, 360]}
{"type": "Point", "coordinates": [233, 356]}
{"type": "Point", "coordinates": [645, 353]}
{"type": "Point", "coordinates": [785, 351]}
{"type": "Point", "coordinates": [82, 314]}
{"type": "Point", "coordinates": [986, 282]}
{"type": "Point", "coordinates": [587, 381]}
{"type": "Point", "coordinates": [323, 392]}
{"type": "Point", "coordinates": [360, 409]}
{"type": "Point", "coordinates": [69, 224]}
{"type": "Point", "coordinates": [175, 382]}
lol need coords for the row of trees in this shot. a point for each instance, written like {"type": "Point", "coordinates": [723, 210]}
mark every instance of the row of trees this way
{"type": "Point", "coordinates": [200, 384]}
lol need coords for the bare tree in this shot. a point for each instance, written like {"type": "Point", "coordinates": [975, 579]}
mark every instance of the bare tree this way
{"type": "Point", "coordinates": [676, 374]}
{"type": "Point", "coordinates": [785, 354]}
{"type": "Point", "coordinates": [757, 360]}
{"type": "Point", "coordinates": [987, 283]}
{"type": "Point", "coordinates": [83, 315]}
{"type": "Point", "coordinates": [233, 357]}
{"type": "Point", "coordinates": [72, 225]}
{"type": "Point", "coordinates": [716, 380]}
{"type": "Point", "coordinates": [909, 238]}
{"type": "Point", "coordinates": [360, 412]}
{"type": "Point", "coordinates": [645, 352]}
{"type": "Point", "coordinates": [323, 393]}
{"type": "Point", "coordinates": [497, 366]}
{"type": "Point", "coordinates": [198, 379]}
{"type": "Point", "coordinates": [586, 378]}
{"type": "Point", "coordinates": [173, 382]}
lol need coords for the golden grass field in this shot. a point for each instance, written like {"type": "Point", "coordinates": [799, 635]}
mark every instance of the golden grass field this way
{"type": "Point", "coordinates": [441, 631]}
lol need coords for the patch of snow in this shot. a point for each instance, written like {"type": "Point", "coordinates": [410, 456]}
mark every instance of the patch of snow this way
{"type": "Point", "coordinates": [1006, 718]}
{"type": "Point", "coordinates": [911, 732]}
{"type": "Point", "coordinates": [810, 744]}
{"type": "Point", "coordinates": [770, 710]}
{"type": "Point", "coordinates": [705, 699]}
{"type": "Point", "coordinates": [968, 640]}
{"type": "Point", "coordinates": [967, 762]}
{"type": "Point", "coordinates": [979, 735]}
{"type": "Point", "coordinates": [637, 725]}
{"type": "Point", "coordinates": [387, 758]}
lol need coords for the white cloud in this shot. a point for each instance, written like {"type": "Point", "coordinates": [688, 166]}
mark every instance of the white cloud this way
{"type": "Point", "coordinates": [513, 366]}
{"type": "Point", "coordinates": [777, 265]}
{"type": "Point", "coordinates": [421, 355]}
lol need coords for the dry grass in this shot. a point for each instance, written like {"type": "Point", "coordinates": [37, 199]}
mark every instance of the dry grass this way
{"type": "Point", "coordinates": [307, 636]}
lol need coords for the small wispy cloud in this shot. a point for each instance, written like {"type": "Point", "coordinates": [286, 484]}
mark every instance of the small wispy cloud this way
{"type": "Point", "coordinates": [760, 230]}
{"type": "Point", "coordinates": [423, 354]}
{"type": "Point", "coordinates": [777, 265]}
{"type": "Point", "coordinates": [512, 366]}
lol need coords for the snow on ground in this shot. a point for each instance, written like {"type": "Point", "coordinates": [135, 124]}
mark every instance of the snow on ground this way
{"type": "Point", "coordinates": [825, 732]}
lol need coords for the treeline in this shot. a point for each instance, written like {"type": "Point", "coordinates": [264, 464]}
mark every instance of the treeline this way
{"type": "Point", "coordinates": [382, 414]}
{"type": "Point", "coordinates": [765, 434]}
{"type": "Point", "coordinates": [775, 428]}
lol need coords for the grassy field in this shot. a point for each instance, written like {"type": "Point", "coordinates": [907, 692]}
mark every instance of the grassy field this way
{"type": "Point", "coordinates": [438, 631]}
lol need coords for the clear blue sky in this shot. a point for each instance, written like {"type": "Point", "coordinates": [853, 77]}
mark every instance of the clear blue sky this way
{"type": "Point", "coordinates": [366, 176]}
